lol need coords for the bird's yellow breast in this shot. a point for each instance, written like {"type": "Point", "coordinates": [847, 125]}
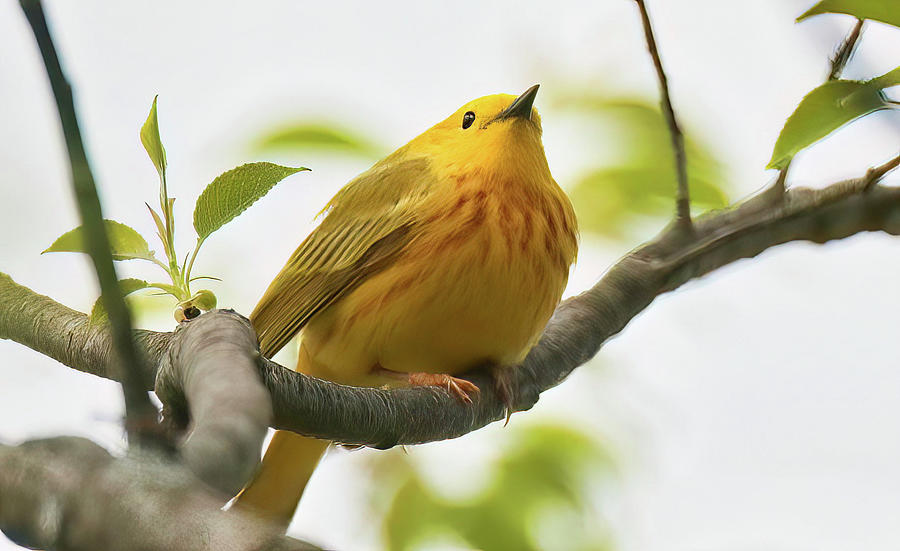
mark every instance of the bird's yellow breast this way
{"type": "Point", "coordinates": [476, 284]}
{"type": "Point", "coordinates": [450, 253]}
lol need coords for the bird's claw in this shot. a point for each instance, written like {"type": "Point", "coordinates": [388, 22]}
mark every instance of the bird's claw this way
{"type": "Point", "coordinates": [460, 388]}
{"type": "Point", "coordinates": [504, 387]}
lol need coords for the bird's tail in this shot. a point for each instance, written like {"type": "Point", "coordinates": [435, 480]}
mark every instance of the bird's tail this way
{"type": "Point", "coordinates": [287, 466]}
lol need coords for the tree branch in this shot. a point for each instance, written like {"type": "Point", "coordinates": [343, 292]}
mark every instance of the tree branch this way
{"type": "Point", "coordinates": [209, 378]}
{"type": "Point", "coordinates": [845, 51]}
{"type": "Point", "coordinates": [579, 327]}
{"type": "Point", "coordinates": [70, 494]}
{"type": "Point", "coordinates": [140, 412]}
{"type": "Point", "coordinates": [67, 336]}
{"type": "Point", "coordinates": [682, 194]}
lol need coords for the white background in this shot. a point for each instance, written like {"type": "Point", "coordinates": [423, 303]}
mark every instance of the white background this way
{"type": "Point", "coordinates": [753, 409]}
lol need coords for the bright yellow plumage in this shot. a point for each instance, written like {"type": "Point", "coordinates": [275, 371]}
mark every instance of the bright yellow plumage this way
{"type": "Point", "coordinates": [449, 254]}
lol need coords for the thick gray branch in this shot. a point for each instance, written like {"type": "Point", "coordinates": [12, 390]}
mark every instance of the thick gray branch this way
{"type": "Point", "coordinates": [66, 335]}
{"type": "Point", "coordinates": [383, 418]}
{"type": "Point", "coordinates": [209, 376]}
{"type": "Point", "coordinates": [583, 323]}
{"type": "Point", "coordinates": [209, 364]}
{"type": "Point", "coordinates": [69, 494]}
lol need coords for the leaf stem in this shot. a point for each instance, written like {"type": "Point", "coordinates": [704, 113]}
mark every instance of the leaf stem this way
{"type": "Point", "coordinates": [190, 265]}
{"type": "Point", "coordinates": [165, 204]}
{"type": "Point", "coordinates": [159, 263]}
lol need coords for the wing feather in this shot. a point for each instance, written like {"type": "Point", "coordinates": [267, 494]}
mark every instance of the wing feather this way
{"type": "Point", "coordinates": [367, 224]}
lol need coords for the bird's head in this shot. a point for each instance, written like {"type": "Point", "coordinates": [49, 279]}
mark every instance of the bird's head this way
{"type": "Point", "coordinates": [494, 133]}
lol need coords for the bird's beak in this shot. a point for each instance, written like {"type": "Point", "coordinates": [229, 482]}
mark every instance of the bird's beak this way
{"type": "Point", "coordinates": [521, 108]}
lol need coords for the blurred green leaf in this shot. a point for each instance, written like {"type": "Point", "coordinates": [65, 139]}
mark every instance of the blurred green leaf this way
{"type": "Point", "coordinates": [642, 179]}
{"type": "Point", "coordinates": [151, 140]}
{"type": "Point", "coordinates": [125, 243]}
{"type": "Point", "coordinates": [233, 192]}
{"type": "Point", "coordinates": [606, 199]}
{"type": "Point", "coordinates": [886, 11]}
{"type": "Point", "coordinates": [827, 108]}
{"type": "Point", "coordinates": [543, 470]}
{"type": "Point", "coordinates": [320, 136]}
{"type": "Point", "coordinates": [203, 299]}
{"type": "Point", "coordinates": [128, 286]}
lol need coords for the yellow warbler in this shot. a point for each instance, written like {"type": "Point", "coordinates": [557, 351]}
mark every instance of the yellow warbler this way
{"type": "Point", "coordinates": [449, 254]}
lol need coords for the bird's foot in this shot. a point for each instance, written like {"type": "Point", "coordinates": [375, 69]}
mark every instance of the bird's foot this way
{"type": "Point", "coordinates": [460, 388]}
{"type": "Point", "coordinates": [504, 386]}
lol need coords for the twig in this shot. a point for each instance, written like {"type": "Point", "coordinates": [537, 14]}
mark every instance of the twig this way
{"type": "Point", "coordinates": [682, 197]}
{"type": "Point", "coordinates": [779, 187]}
{"type": "Point", "coordinates": [874, 174]}
{"type": "Point", "coordinates": [140, 413]}
{"type": "Point", "coordinates": [845, 51]}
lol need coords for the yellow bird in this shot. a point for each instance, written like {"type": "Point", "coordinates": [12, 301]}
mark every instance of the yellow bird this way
{"type": "Point", "coordinates": [449, 254]}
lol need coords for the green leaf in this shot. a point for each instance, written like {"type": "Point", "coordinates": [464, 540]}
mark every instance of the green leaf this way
{"type": "Point", "coordinates": [891, 78]}
{"type": "Point", "coordinates": [167, 288]}
{"type": "Point", "coordinates": [193, 279]}
{"type": "Point", "coordinates": [886, 11]}
{"type": "Point", "coordinates": [160, 227]}
{"type": "Point", "coordinates": [151, 140]}
{"type": "Point", "coordinates": [827, 108]}
{"type": "Point", "coordinates": [125, 242]}
{"type": "Point", "coordinates": [203, 299]}
{"type": "Point", "coordinates": [319, 136]}
{"type": "Point", "coordinates": [232, 192]}
{"type": "Point", "coordinates": [128, 286]}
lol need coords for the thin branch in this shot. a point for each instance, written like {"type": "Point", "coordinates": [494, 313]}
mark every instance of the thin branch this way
{"type": "Point", "coordinates": [140, 412]}
{"type": "Point", "coordinates": [682, 197]}
{"type": "Point", "coordinates": [875, 174]}
{"type": "Point", "coordinates": [779, 187]}
{"type": "Point", "coordinates": [579, 327]}
{"type": "Point", "coordinates": [845, 51]}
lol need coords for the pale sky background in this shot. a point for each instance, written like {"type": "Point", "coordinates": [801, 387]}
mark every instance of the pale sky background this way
{"type": "Point", "coordinates": [753, 409]}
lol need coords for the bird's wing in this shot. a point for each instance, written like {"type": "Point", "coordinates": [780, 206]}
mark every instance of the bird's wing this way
{"type": "Point", "coordinates": [367, 223]}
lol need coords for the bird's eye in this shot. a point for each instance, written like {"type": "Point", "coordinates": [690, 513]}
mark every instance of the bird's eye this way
{"type": "Point", "coordinates": [468, 119]}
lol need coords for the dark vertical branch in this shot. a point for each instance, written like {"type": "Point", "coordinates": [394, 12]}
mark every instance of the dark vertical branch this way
{"type": "Point", "coordinates": [682, 197]}
{"type": "Point", "coordinates": [141, 415]}
{"type": "Point", "coordinates": [845, 51]}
